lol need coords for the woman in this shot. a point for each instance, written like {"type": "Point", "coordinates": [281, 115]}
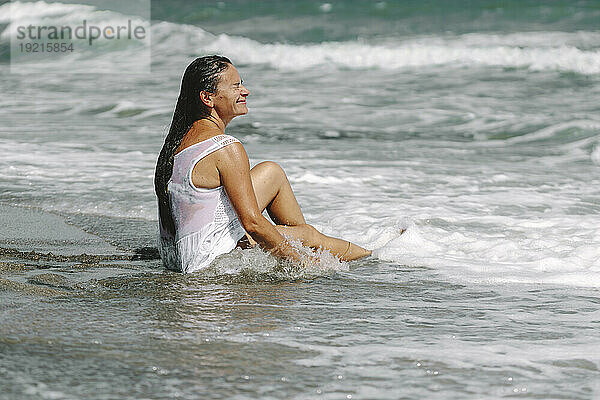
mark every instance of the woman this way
{"type": "Point", "coordinates": [210, 201]}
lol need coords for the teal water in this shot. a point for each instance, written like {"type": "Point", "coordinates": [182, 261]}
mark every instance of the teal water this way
{"type": "Point", "coordinates": [474, 125]}
{"type": "Point", "coordinates": [316, 21]}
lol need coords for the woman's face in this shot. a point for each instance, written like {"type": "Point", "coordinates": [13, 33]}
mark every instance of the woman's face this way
{"type": "Point", "coordinates": [230, 98]}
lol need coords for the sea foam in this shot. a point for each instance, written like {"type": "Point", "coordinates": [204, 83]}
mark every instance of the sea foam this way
{"type": "Point", "coordinates": [530, 251]}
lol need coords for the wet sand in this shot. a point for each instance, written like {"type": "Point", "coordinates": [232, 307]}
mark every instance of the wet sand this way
{"type": "Point", "coordinates": [40, 252]}
{"type": "Point", "coordinates": [27, 229]}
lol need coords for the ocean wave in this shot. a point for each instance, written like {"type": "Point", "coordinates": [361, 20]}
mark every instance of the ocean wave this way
{"type": "Point", "coordinates": [577, 52]}
{"type": "Point", "coordinates": [408, 55]}
{"type": "Point", "coordinates": [561, 132]}
{"type": "Point", "coordinates": [572, 141]}
{"type": "Point", "coordinates": [532, 255]}
{"type": "Point", "coordinates": [528, 50]}
{"type": "Point", "coordinates": [554, 132]}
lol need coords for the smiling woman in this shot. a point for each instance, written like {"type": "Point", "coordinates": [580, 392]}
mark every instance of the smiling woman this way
{"type": "Point", "coordinates": [210, 201]}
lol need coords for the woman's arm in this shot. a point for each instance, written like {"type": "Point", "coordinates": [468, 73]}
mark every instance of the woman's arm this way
{"type": "Point", "coordinates": [234, 171]}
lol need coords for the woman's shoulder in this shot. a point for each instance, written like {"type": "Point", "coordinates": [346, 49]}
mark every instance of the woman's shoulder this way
{"type": "Point", "coordinates": [224, 145]}
{"type": "Point", "coordinates": [231, 151]}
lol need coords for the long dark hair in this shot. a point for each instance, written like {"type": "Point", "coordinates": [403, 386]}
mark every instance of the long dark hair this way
{"type": "Point", "coordinates": [202, 74]}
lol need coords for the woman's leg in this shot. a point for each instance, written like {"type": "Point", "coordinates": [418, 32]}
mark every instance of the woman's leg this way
{"type": "Point", "coordinates": [311, 237]}
{"type": "Point", "coordinates": [273, 192]}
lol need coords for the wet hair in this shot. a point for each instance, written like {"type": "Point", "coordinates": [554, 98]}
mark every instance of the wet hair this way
{"type": "Point", "coordinates": [203, 73]}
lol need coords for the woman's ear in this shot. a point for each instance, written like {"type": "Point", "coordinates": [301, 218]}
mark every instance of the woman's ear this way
{"type": "Point", "coordinates": [206, 98]}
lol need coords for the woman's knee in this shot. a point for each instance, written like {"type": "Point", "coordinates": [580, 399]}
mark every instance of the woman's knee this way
{"type": "Point", "coordinates": [271, 170]}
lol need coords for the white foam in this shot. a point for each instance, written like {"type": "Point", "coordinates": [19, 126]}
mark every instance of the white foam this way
{"type": "Point", "coordinates": [76, 177]}
{"type": "Point", "coordinates": [309, 177]}
{"type": "Point", "coordinates": [256, 265]}
{"type": "Point", "coordinates": [546, 252]}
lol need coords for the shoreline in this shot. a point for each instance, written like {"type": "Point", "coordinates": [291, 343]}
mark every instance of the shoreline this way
{"type": "Point", "coordinates": [33, 230]}
{"type": "Point", "coordinates": [40, 251]}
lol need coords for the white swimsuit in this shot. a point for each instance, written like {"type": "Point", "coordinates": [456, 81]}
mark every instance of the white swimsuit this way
{"type": "Point", "coordinates": [206, 224]}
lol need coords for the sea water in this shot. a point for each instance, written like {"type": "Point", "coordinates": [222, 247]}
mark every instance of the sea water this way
{"type": "Point", "coordinates": [473, 125]}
